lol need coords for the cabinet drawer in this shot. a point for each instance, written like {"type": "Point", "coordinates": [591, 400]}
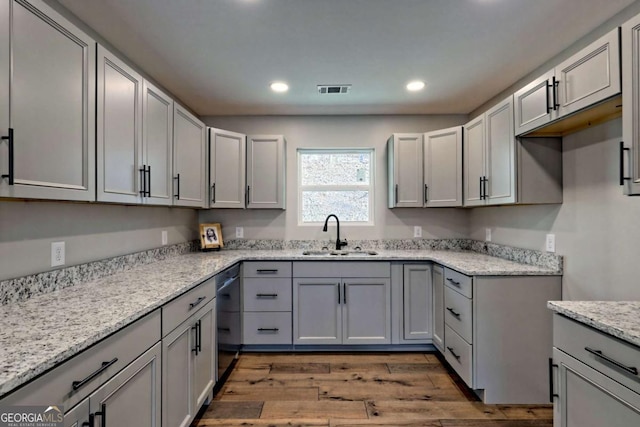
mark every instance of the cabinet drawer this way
{"type": "Point", "coordinates": [575, 338]}
{"type": "Point", "coordinates": [267, 328]}
{"type": "Point", "coordinates": [267, 294]}
{"type": "Point", "coordinates": [341, 269]}
{"type": "Point", "coordinates": [266, 269]}
{"type": "Point", "coordinates": [459, 282]}
{"type": "Point", "coordinates": [229, 330]}
{"type": "Point", "coordinates": [178, 310]}
{"type": "Point", "coordinates": [118, 350]}
{"type": "Point", "coordinates": [458, 353]}
{"type": "Point", "coordinates": [458, 313]}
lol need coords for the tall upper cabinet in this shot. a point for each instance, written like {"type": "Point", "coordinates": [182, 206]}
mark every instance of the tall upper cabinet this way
{"type": "Point", "coordinates": [631, 112]}
{"type": "Point", "coordinates": [266, 172]}
{"type": "Point", "coordinates": [226, 169]}
{"type": "Point", "coordinates": [189, 159]}
{"type": "Point", "coordinates": [405, 166]}
{"type": "Point", "coordinates": [588, 77]}
{"type": "Point", "coordinates": [443, 167]}
{"type": "Point", "coordinates": [47, 110]}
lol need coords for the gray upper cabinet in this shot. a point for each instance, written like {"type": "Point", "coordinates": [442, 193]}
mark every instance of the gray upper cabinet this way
{"type": "Point", "coordinates": [52, 64]}
{"type": "Point", "coordinates": [405, 170]}
{"type": "Point", "coordinates": [443, 167]}
{"type": "Point", "coordinates": [489, 166]}
{"type": "Point", "coordinates": [631, 112]}
{"type": "Point", "coordinates": [586, 78]}
{"type": "Point", "coordinates": [266, 164]}
{"type": "Point", "coordinates": [157, 145]}
{"type": "Point", "coordinates": [119, 137]}
{"type": "Point", "coordinates": [226, 169]}
{"type": "Point", "coordinates": [189, 159]}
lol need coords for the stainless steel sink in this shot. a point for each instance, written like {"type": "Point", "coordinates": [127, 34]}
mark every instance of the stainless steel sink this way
{"type": "Point", "coordinates": [335, 253]}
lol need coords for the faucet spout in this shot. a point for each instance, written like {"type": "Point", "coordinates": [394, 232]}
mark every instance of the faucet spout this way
{"type": "Point", "coordinates": [339, 243]}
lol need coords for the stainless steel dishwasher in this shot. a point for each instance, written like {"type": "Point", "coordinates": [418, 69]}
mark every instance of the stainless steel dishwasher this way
{"type": "Point", "coordinates": [228, 320]}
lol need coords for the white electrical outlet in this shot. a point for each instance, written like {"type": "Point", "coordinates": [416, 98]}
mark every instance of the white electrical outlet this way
{"type": "Point", "coordinates": [417, 231]}
{"type": "Point", "coordinates": [164, 237]}
{"type": "Point", "coordinates": [550, 244]}
{"type": "Point", "coordinates": [57, 254]}
{"type": "Point", "coordinates": [487, 234]}
{"type": "Point", "coordinates": [239, 232]}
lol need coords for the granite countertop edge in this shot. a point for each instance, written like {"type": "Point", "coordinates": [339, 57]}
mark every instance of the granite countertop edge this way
{"type": "Point", "coordinates": [620, 319]}
{"type": "Point", "coordinates": [206, 265]}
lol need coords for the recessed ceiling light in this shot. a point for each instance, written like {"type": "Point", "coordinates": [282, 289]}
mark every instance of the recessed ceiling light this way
{"type": "Point", "coordinates": [279, 87]}
{"type": "Point", "coordinates": [415, 85]}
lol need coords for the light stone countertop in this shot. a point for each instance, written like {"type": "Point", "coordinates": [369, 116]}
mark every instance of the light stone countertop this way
{"type": "Point", "coordinates": [43, 331]}
{"type": "Point", "coordinates": [620, 319]}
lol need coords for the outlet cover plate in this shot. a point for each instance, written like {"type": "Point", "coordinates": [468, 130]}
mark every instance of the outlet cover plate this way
{"type": "Point", "coordinates": [164, 237]}
{"type": "Point", "coordinates": [239, 232]}
{"type": "Point", "coordinates": [487, 234]}
{"type": "Point", "coordinates": [417, 231]}
{"type": "Point", "coordinates": [550, 244]}
{"type": "Point", "coordinates": [57, 254]}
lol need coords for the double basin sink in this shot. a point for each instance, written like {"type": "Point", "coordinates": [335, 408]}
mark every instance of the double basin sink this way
{"type": "Point", "coordinates": [336, 253]}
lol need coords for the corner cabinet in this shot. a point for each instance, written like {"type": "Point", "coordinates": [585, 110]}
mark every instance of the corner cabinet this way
{"type": "Point", "coordinates": [189, 159]}
{"type": "Point", "coordinates": [405, 170]}
{"type": "Point", "coordinates": [583, 80]}
{"type": "Point", "coordinates": [226, 169]}
{"type": "Point", "coordinates": [341, 303]}
{"type": "Point", "coordinates": [631, 112]}
{"type": "Point", "coordinates": [590, 387]}
{"type": "Point", "coordinates": [46, 152]}
{"type": "Point", "coordinates": [266, 171]}
{"type": "Point", "coordinates": [443, 168]}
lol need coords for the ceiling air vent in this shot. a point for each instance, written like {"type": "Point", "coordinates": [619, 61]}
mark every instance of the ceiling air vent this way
{"type": "Point", "coordinates": [334, 89]}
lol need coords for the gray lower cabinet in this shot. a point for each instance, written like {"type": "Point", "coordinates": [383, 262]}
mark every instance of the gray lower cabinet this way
{"type": "Point", "coordinates": [335, 310]}
{"type": "Point", "coordinates": [52, 64]}
{"type": "Point", "coordinates": [132, 397]}
{"type": "Point", "coordinates": [595, 380]}
{"type": "Point", "coordinates": [188, 366]}
{"type": "Point", "coordinates": [417, 302]}
{"type": "Point", "coordinates": [437, 278]}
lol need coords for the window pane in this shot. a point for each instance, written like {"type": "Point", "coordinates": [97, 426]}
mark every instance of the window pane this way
{"type": "Point", "coordinates": [335, 168]}
{"type": "Point", "coordinates": [347, 205]}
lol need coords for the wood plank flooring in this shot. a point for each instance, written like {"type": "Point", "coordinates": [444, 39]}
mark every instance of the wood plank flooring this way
{"type": "Point", "coordinates": [354, 390]}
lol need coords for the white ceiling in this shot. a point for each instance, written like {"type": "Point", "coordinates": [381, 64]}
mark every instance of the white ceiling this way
{"type": "Point", "coordinates": [219, 56]}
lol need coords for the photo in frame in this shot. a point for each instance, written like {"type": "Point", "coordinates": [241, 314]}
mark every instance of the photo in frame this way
{"type": "Point", "coordinates": [210, 236]}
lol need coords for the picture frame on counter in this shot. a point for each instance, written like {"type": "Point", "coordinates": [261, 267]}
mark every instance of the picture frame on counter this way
{"type": "Point", "coordinates": [211, 236]}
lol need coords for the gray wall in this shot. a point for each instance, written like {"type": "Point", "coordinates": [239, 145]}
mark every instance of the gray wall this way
{"type": "Point", "coordinates": [338, 131]}
{"type": "Point", "coordinates": [596, 228]}
{"type": "Point", "coordinates": [90, 232]}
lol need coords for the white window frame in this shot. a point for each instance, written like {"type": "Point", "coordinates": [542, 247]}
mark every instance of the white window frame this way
{"type": "Point", "coordinates": [354, 187]}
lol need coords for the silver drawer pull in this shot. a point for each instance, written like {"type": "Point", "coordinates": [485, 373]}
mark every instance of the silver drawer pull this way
{"type": "Point", "coordinates": [196, 302]}
{"type": "Point", "coordinates": [268, 329]}
{"type": "Point", "coordinates": [453, 312]}
{"type": "Point", "coordinates": [267, 271]}
{"type": "Point", "coordinates": [454, 354]}
{"type": "Point", "coordinates": [266, 295]}
{"type": "Point", "coordinates": [105, 365]}
{"type": "Point", "coordinates": [630, 369]}
{"type": "Point", "coordinates": [453, 281]}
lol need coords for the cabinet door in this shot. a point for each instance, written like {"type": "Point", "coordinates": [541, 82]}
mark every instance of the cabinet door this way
{"type": "Point", "coordinates": [78, 416]}
{"type": "Point", "coordinates": [119, 141]}
{"type": "Point", "coordinates": [227, 169]}
{"type": "Point", "coordinates": [501, 169]}
{"type": "Point", "coordinates": [587, 398]}
{"type": "Point", "coordinates": [205, 360]}
{"type": "Point", "coordinates": [317, 311]}
{"type": "Point", "coordinates": [474, 160]}
{"type": "Point", "coordinates": [443, 167]}
{"type": "Point", "coordinates": [178, 353]}
{"type": "Point", "coordinates": [631, 101]}
{"type": "Point", "coordinates": [5, 76]}
{"type": "Point", "coordinates": [131, 398]}
{"type": "Point", "coordinates": [266, 172]}
{"type": "Point", "coordinates": [366, 311]}
{"type": "Point", "coordinates": [157, 145]}
{"type": "Point", "coordinates": [534, 104]}
{"type": "Point", "coordinates": [438, 307]}
{"type": "Point", "coordinates": [590, 76]}
{"type": "Point", "coordinates": [406, 182]}
{"type": "Point", "coordinates": [189, 159]}
{"type": "Point", "coordinates": [417, 302]}
{"type": "Point", "coordinates": [52, 106]}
